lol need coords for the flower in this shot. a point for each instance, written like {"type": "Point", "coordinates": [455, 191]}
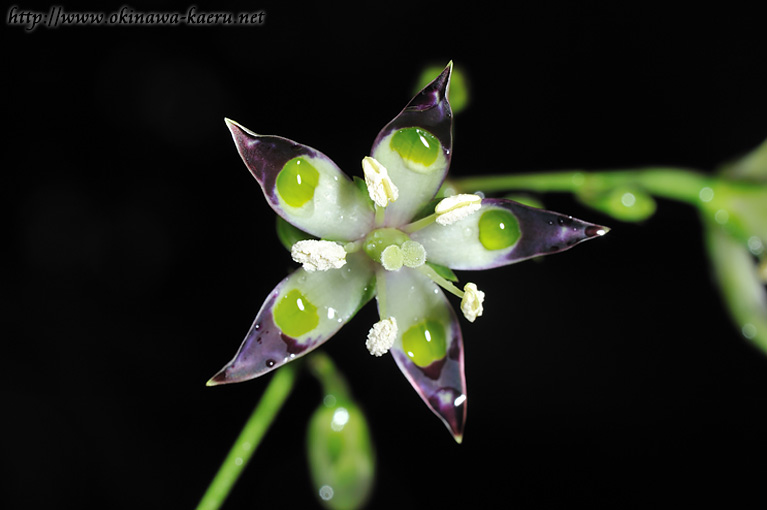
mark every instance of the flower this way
{"type": "Point", "coordinates": [733, 207]}
{"type": "Point", "coordinates": [393, 250]}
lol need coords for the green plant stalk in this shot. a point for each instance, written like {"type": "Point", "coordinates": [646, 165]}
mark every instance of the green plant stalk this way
{"type": "Point", "coordinates": [253, 432]}
{"type": "Point", "coordinates": [742, 288]}
{"type": "Point", "coordinates": [333, 383]}
{"type": "Point", "coordinates": [667, 182]}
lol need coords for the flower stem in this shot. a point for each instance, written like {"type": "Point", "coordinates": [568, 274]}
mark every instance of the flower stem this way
{"type": "Point", "coordinates": [667, 182]}
{"type": "Point", "coordinates": [251, 435]}
{"type": "Point", "coordinates": [324, 370]}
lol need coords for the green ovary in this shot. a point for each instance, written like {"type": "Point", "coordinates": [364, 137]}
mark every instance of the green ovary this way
{"type": "Point", "coordinates": [378, 240]}
{"type": "Point", "coordinates": [296, 182]}
{"type": "Point", "coordinates": [295, 315]}
{"type": "Point", "coordinates": [498, 229]}
{"type": "Point", "coordinates": [416, 145]}
{"type": "Point", "coordinates": [425, 342]}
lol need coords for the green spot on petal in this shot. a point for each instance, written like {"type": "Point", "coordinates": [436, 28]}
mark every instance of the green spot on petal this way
{"type": "Point", "coordinates": [425, 342]}
{"type": "Point", "coordinates": [498, 229]}
{"type": "Point", "coordinates": [295, 315]}
{"type": "Point", "coordinates": [416, 145]}
{"type": "Point", "coordinates": [296, 182]}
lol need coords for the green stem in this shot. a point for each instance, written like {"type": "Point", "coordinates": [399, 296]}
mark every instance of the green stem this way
{"type": "Point", "coordinates": [667, 182]}
{"type": "Point", "coordinates": [333, 383]}
{"type": "Point", "coordinates": [251, 435]}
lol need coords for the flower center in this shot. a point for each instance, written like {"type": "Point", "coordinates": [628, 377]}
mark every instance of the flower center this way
{"type": "Point", "coordinates": [392, 248]}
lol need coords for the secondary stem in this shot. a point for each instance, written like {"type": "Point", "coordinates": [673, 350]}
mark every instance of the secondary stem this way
{"type": "Point", "coordinates": [251, 435]}
{"type": "Point", "coordinates": [666, 182]}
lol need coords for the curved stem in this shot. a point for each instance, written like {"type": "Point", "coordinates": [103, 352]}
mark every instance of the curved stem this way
{"type": "Point", "coordinates": [251, 435]}
{"type": "Point", "coordinates": [667, 182]}
{"type": "Point", "coordinates": [324, 370]}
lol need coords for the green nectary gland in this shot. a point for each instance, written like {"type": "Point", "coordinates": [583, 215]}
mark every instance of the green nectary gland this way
{"type": "Point", "coordinates": [296, 182]}
{"type": "Point", "coordinates": [295, 315]}
{"type": "Point", "coordinates": [380, 239]}
{"type": "Point", "coordinates": [498, 229]}
{"type": "Point", "coordinates": [416, 145]}
{"type": "Point", "coordinates": [425, 342]}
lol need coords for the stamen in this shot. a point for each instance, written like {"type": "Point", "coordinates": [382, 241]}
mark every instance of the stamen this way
{"type": "Point", "coordinates": [457, 207]}
{"type": "Point", "coordinates": [419, 224]}
{"type": "Point", "coordinates": [317, 255]}
{"type": "Point", "coordinates": [381, 336]}
{"type": "Point", "coordinates": [471, 304]}
{"type": "Point", "coordinates": [380, 187]}
{"type": "Point", "coordinates": [436, 278]}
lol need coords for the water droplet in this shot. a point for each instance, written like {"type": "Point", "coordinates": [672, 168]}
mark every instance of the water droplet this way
{"type": "Point", "coordinates": [755, 245]}
{"type": "Point", "coordinates": [270, 363]}
{"type": "Point", "coordinates": [628, 199]}
{"type": "Point", "coordinates": [340, 419]}
{"type": "Point", "coordinates": [326, 492]}
{"type": "Point", "coordinates": [329, 400]}
{"type": "Point", "coordinates": [722, 216]}
{"type": "Point", "coordinates": [706, 194]}
{"type": "Point", "coordinates": [749, 331]}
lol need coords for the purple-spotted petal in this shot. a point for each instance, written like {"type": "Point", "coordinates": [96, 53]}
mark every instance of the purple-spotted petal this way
{"type": "Point", "coordinates": [304, 186]}
{"type": "Point", "coordinates": [429, 347]}
{"type": "Point", "coordinates": [502, 232]}
{"type": "Point", "coordinates": [415, 147]}
{"type": "Point", "coordinates": [302, 312]}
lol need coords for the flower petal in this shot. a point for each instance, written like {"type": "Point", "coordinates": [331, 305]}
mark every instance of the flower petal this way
{"type": "Point", "coordinates": [303, 311]}
{"type": "Point", "coordinates": [415, 147]}
{"type": "Point", "coordinates": [429, 347]}
{"type": "Point", "coordinates": [304, 186]}
{"type": "Point", "coordinates": [502, 232]}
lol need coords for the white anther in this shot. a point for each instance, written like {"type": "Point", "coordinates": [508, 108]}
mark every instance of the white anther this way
{"type": "Point", "coordinates": [457, 207]}
{"type": "Point", "coordinates": [471, 304]}
{"type": "Point", "coordinates": [318, 255]}
{"type": "Point", "coordinates": [380, 187]}
{"type": "Point", "coordinates": [381, 336]}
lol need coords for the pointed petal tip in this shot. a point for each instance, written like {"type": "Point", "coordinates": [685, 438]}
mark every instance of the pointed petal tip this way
{"type": "Point", "coordinates": [596, 231]}
{"type": "Point", "coordinates": [448, 68]}
{"type": "Point", "coordinates": [231, 124]}
{"type": "Point", "coordinates": [236, 128]}
{"type": "Point", "coordinates": [458, 438]}
{"type": "Point", "coordinates": [219, 378]}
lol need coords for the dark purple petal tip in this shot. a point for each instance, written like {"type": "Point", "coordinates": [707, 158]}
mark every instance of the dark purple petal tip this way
{"type": "Point", "coordinates": [545, 232]}
{"type": "Point", "coordinates": [429, 109]}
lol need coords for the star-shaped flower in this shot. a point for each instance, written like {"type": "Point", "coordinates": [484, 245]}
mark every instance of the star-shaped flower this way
{"type": "Point", "coordinates": [388, 237]}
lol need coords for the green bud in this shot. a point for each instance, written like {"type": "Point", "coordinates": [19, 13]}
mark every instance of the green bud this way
{"type": "Point", "coordinates": [622, 203]}
{"type": "Point", "coordinates": [458, 94]}
{"type": "Point", "coordinates": [527, 200]}
{"type": "Point", "coordinates": [340, 454]}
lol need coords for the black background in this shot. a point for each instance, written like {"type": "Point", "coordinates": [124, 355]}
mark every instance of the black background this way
{"type": "Point", "coordinates": [141, 250]}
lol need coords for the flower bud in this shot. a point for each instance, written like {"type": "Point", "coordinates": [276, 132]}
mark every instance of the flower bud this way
{"type": "Point", "coordinates": [340, 454]}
